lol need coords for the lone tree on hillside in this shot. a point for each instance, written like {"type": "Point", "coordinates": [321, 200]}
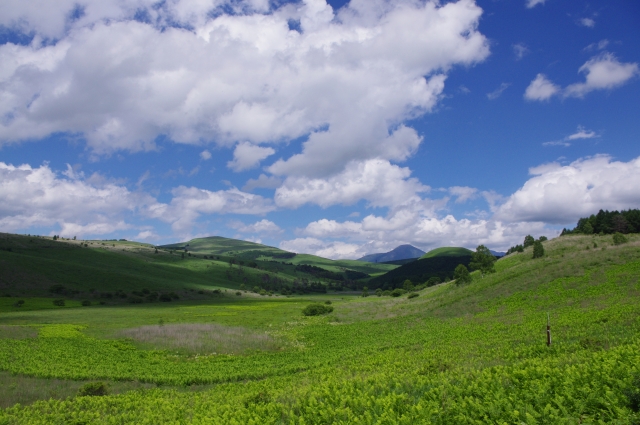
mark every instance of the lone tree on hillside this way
{"type": "Point", "coordinates": [538, 249]}
{"type": "Point", "coordinates": [461, 275]}
{"type": "Point", "coordinates": [483, 260]}
{"type": "Point", "coordinates": [528, 241]}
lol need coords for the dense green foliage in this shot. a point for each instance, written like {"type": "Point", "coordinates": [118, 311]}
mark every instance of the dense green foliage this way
{"type": "Point", "coordinates": [538, 249]}
{"type": "Point", "coordinates": [461, 275]}
{"type": "Point", "coordinates": [465, 354]}
{"type": "Point", "coordinates": [607, 222]}
{"type": "Point", "coordinates": [483, 260]}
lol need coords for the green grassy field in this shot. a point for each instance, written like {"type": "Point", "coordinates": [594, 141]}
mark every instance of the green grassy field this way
{"type": "Point", "coordinates": [471, 354]}
{"type": "Point", "coordinates": [447, 251]}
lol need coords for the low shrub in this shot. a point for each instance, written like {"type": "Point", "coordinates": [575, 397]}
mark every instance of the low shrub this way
{"type": "Point", "coordinates": [86, 303]}
{"type": "Point", "coordinates": [59, 303]}
{"type": "Point", "coordinates": [398, 292]}
{"type": "Point", "coordinates": [135, 300]}
{"type": "Point", "coordinates": [619, 238]}
{"type": "Point", "coordinates": [328, 302]}
{"type": "Point", "coordinates": [19, 303]}
{"type": "Point", "coordinates": [93, 389]}
{"type": "Point", "coordinates": [238, 293]}
{"type": "Point", "coordinates": [165, 298]}
{"type": "Point", "coordinates": [317, 309]}
{"type": "Point", "coordinates": [412, 295]}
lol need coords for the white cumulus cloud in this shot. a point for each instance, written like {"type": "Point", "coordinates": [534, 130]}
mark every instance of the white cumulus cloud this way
{"type": "Point", "coordinates": [602, 72]}
{"type": "Point", "coordinates": [263, 226]}
{"type": "Point", "coordinates": [381, 183]}
{"type": "Point", "coordinates": [39, 197]}
{"type": "Point", "coordinates": [562, 194]}
{"type": "Point", "coordinates": [541, 89]}
{"type": "Point", "coordinates": [196, 74]}
{"type": "Point", "coordinates": [247, 156]}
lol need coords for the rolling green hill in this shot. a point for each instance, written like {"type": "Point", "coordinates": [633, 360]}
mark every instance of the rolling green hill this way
{"type": "Point", "coordinates": [453, 354]}
{"type": "Point", "coordinates": [123, 271]}
{"type": "Point", "coordinates": [447, 251]}
{"type": "Point", "coordinates": [217, 245]}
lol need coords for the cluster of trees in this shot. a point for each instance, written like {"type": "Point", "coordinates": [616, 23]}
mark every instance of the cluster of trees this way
{"type": "Point", "coordinates": [431, 271]}
{"type": "Point", "coordinates": [528, 241]}
{"type": "Point", "coordinates": [482, 260]}
{"type": "Point", "coordinates": [607, 223]}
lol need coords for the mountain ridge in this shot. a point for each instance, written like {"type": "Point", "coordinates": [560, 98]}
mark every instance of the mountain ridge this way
{"type": "Point", "coordinates": [401, 252]}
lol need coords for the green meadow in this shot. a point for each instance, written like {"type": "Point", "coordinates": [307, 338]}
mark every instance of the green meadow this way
{"type": "Point", "coordinates": [470, 354]}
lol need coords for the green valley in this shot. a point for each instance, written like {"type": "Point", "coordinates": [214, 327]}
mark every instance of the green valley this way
{"type": "Point", "coordinates": [447, 354]}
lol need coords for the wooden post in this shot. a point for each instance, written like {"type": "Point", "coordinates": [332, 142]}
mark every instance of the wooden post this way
{"type": "Point", "coordinates": [548, 332]}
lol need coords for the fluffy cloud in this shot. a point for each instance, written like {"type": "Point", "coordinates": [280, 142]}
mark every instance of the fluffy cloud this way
{"type": "Point", "coordinates": [335, 250]}
{"type": "Point", "coordinates": [38, 197]}
{"type": "Point", "coordinates": [410, 225]}
{"type": "Point", "coordinates": [194, 73]}
{"type": "Point", "coordinates": [602, 72]}
{"type": "Point", "coordinates": [263, 181]}
{"type": "Point", "coordinates": [561, 194]}
{"type": "Point", "coordinates": [463, 193]}
{"type": "Point", "coordinates": [381, 183]}
{"type": "Point", "coordinates": [205, 155]}
{"type": "Point", "coordinates": [247, 156]}
{"type": "Point", "coordinates": [541, 89]}
{"type": "Point", "coordinates": [262, 227]}
{"type": "Point", "coordinates": [189, 203]}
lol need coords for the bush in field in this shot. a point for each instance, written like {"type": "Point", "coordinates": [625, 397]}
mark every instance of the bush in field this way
{"type": "Point", "coordinates": [397, 292]}
{"type": "Point", "coordinates": [59, 303]}
{"type": "Point", "coordinates": [165, 298]}
{"type": "Point", "coordinates": [93, 389]}
{"type": "Point", "coordinates": [619, 238]}
{"type": "Point", "coordinates": [135, 300]}
{"type": "Point", "coordinates": [412, 295]}
{"type": "Point", "coordinates": [238, 293]}
{"type": "Point", "coordinates": [19, 303]}
{"type": "Point", "coordinates": [386, 293]}
{"type": "Point", "coordinates": [327, 302]}
{"type": "Point", "coordinates": [316, 309]}
{"type": "Point", "coordinates": [86, 303]}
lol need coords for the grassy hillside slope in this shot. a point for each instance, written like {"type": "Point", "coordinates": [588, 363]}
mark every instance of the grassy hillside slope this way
{"type": "Point", "coordinates": [448, 251]}
{"type": "Point", "coordinates": [95, 270]}
{"type": "Point", "coordinates": [452, 355]}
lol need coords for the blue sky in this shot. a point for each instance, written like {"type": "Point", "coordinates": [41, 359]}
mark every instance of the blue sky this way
{"type": "Point", "coordinates": [337, 129]}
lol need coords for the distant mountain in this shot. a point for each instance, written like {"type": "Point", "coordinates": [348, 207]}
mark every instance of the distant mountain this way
{"type": "Point", "coordinates": [448, 251]}
{"type": "Point", "coordinates": [497, 253]}
{"type": "Point", "coordinates": [403, 252]}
